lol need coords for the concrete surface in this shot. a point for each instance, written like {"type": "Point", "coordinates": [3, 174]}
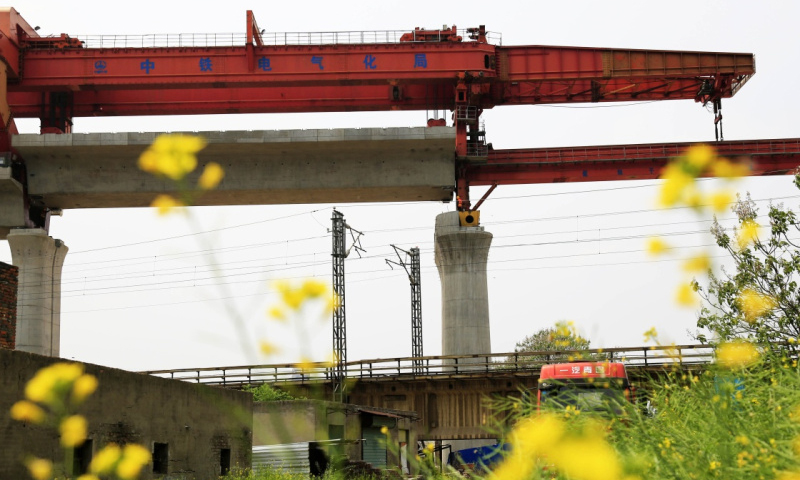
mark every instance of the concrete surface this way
{"type": "Point", "coordinates": [461, 254]}
{"type": "Point", "coordinates": [99, 170]}
{"type": "Point", "coordinates": [196, 422]}
{"type": "Point", "coordinates": [39, 258]}
{"type": "Point", "coordinates": [12, 206]}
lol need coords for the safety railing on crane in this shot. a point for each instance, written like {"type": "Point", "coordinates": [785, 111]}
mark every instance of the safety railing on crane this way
{"type": "Point", "coordinates": [429, 367]}
{"type": "Point", "coordinates": [268, 38]}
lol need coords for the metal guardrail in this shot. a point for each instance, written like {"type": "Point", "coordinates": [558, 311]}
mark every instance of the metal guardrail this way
{"type": "Point", "coordinates": [268, 38]}
{"type": "Point", "coordinates": [406, 368]}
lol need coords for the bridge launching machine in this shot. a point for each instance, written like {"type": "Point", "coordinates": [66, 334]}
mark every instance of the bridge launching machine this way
{"type": "Point", "coordinates": [59, 78]}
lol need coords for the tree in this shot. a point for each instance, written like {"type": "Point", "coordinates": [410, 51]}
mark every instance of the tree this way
{"type": "Point", "coordinates": [559, 338]}
{"type": "Point", "coordinates": [760, 300]}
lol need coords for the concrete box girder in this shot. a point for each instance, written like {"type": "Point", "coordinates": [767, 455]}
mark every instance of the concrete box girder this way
{"type": "Point", "coordinates": [99, 170]}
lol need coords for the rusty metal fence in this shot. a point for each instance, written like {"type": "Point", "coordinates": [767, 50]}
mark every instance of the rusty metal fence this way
{"type": "Point", "coordinates": [454, 366]}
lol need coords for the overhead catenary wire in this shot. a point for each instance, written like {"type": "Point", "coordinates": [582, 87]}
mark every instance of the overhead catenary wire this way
{"type": "Point", "coordinates": [261, 269]}
{"type": "Point", "coordinates": [427, 268]}
{"type": "Point", "coordinates": [84, 280]}
{"type": "Point", "coordinates": [193, 268]}
{"type": "Point", "coordinates": [379, 231]}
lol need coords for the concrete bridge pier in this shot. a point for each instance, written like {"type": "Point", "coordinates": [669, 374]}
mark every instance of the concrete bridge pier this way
{"type": "Point", "coordinates": [40, 259]}
{"type": "Point", "coordinates": [461, 254]}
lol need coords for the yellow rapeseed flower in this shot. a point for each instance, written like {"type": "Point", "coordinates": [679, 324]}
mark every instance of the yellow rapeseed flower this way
{"type": "Point", "coordinates": [51, 381]}
{"type": "Point", "coordinates": [314, 288]}
{"type": "Point", "coordinates": [292, 297]}
{"type": "Point", "coordinates": [166, 204]}
{"type": "Point", "coordinates": [738, 354]}
{"type": "Point", "coordinates": [268, 348]}
{"type": "Point", "coordinates": [305, 364]}
{"type": "Point", "coordinates": [713, 465]}
{"type": "Point", "coordinates": [685, 296]}
{"type": "Point", "coordinates": [515, 466]}
{"type": "Point", "coordinates": [725, 169]}
{"type": "Point", "coordinates": [385, 430]}
{"type": "Point", "coordinates": [84, 386]}
{"type": "Point", "coordinates": [134, 457]}
{"type": "Point", "coordinates": [788, 476]}
{"type": "Point", "coordinates": [26, 411]}
{"type": "Point", "coordinates": [700, 156]}
{"type": "Point", "coordinates": [277, 313]}
{"type": "Point", "coordinates": [748, 233]}
{"type": "Point", "coordinates": [172, 155]}
{"type": "Point", "coordinates": [39, 468]}
{"type": "Point", "coordinates": [73, 430]}
{"type": "Point", "coordinates": [211, 176]}
{"type": "Point", "coordinates": [333, 302]}
{"type": "Point", "coordinates": [586, 458]}
{"type": "Point", "coordinates": [676, 181]}
{"type": "Point", "coordinates": [656, 246]}
{"type": "Point", "coordinates": [700, 264]}
{"type": "Point", "coordinates": [88, 476]}
{"type": "Point", "coordinates": [537, 435]}
{"type": "Point", "coordinates": [755, 304]}
{"type": "Point", "coordinates": [651, 334]}
{"type": "Point", "coordinates": [105, 460]}
{"type": "Point", "coordinates": [720, 201]}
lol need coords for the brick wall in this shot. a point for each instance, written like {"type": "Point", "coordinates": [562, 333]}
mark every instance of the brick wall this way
{"type": "Point", "coordinates": [8, 305]}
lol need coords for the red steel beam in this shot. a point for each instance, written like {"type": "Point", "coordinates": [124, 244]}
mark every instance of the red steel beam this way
{"type": "Point", "coordinates": [396, 76]}
{"type": "Point", "coordinates": [536, 74]}
{"type": "Point", "coordinates": [619, 162]}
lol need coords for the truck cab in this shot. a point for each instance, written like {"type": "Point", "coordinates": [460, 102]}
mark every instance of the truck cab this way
{"type": "Point", "coordinates": [587, 386]}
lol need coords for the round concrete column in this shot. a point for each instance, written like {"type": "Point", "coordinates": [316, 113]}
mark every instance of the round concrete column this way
{"type": "Point", "coordinates": [461, 254]}
{"type": "Point", "coordinates": [39, 258]}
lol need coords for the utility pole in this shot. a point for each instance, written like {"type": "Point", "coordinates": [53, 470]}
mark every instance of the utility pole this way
{"type": "Point", "coordinates": [339, 321]}
{"type": "Point", "coordinates": [415, 280]}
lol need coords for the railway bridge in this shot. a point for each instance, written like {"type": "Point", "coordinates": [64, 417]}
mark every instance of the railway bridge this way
{"type": "Point", "coordinates": [456, 397]}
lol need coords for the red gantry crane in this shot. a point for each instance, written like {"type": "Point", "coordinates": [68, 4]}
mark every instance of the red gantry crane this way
{"type": "Point", "coordinates": [59, 78]}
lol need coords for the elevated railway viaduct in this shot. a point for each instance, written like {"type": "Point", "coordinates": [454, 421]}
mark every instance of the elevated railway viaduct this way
{"type": "Point", "coordinates": [455, 397]}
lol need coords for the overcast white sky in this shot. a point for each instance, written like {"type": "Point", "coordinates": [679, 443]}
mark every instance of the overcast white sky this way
{"type": "Point", "coordinates": [134, 293]}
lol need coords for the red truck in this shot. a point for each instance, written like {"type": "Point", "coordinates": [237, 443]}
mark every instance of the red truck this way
{"type": "Point", "coordinates": [587, 386]}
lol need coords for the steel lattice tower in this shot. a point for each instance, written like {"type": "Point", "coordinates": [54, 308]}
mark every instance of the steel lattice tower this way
{"type": "Point", "coordinates": [339, 324]}
{"type": "Point", "coordinates": [416, 309]}
{"type": "Point", "coordinates": [415, 279]}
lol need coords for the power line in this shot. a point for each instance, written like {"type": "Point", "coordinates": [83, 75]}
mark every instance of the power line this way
{"type": "Point", "coordinates": [515, 221]}
{"type": "Point", "coordinates": [231, 227]}
{"type": "Point", "coordinates": [193, 270]}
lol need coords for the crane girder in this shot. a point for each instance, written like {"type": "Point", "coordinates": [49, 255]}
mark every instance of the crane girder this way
{"type": "Point", "coordinates": [620, 162]}
{"type": "Point", "coordinates": [360, 77]}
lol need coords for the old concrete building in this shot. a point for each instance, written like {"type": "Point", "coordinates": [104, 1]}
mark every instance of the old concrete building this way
{"type": "Point", "coordinates": [359, 429]}
{"type": "Point", "coordinates": [193, 431]}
